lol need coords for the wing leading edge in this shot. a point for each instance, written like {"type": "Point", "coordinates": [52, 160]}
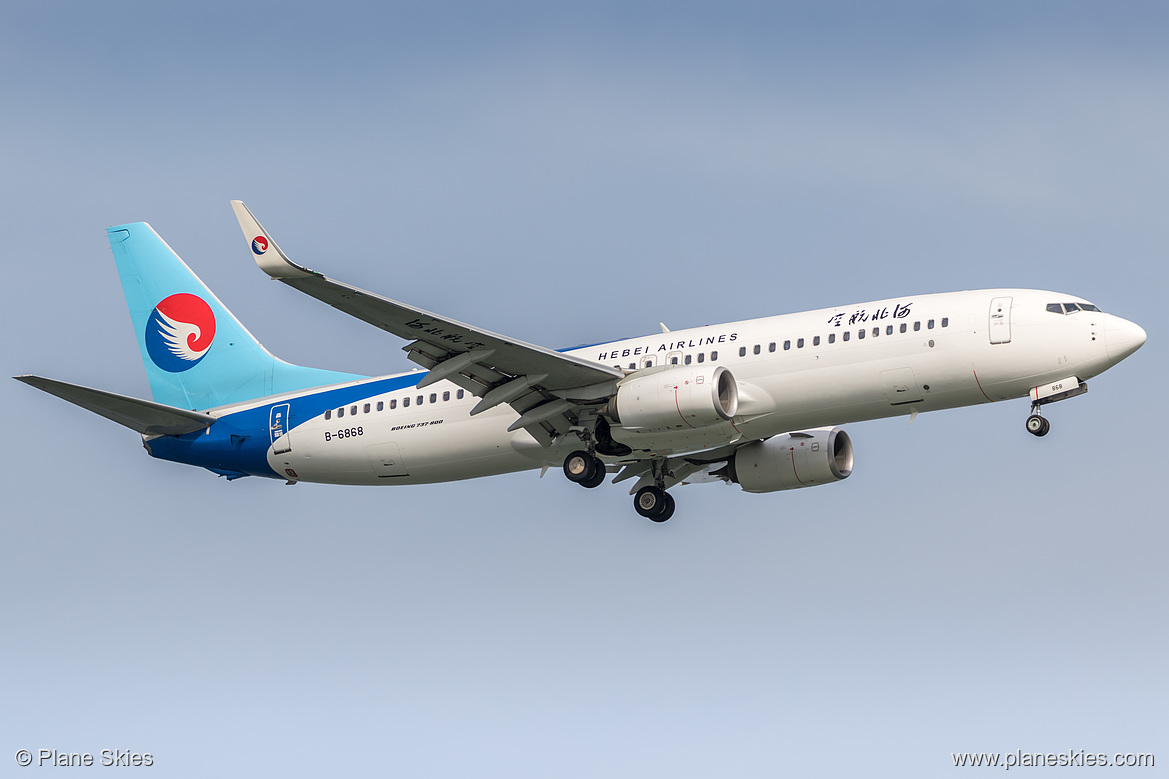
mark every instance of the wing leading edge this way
{"type": "Point", "coordinates": [546, 388]}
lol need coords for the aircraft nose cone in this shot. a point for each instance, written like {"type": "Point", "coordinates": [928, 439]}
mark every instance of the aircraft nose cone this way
{"type": "Point", "coordinates": [1122, 338]}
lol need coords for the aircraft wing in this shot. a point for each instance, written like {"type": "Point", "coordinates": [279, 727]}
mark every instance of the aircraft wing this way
{"type": "Point", "coordinates": [545, 387]}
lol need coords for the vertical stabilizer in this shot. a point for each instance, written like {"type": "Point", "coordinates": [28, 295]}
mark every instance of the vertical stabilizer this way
{"type": "Point", "coordinates": [197, 354]}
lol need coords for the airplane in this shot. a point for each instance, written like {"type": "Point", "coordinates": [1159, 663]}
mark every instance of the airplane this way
{"type": "Point", "coordinates": [756, 403]}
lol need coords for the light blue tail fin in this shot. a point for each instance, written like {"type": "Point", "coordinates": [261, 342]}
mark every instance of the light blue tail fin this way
{"type": "Point", "coordinates": [197, 355]}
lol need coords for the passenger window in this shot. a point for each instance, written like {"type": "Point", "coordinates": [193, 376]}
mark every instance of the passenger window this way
{"type": "Point", "coordinates": [945, 321]}
{"type": "Point", "coordinates": [889, 330]}
{"type": "Point", "coordinates": [904, 327]}
{"type": "Point", "coordinates": [701, 356]}
{"type": "Point", "coordinates": [381, 406]}
{"type": "Point", "coordinates": [787, 345]}
{"type": "Point", "coordinates": [847, 335]}
{"type": "Point", "coordinates": [353, 411]}
{"type": "Point", "coordinates": [816, 341]}
{"type": "Point", "coordinates": [713, 356]}
{"type": "Point", "coordinates": [799, 343]}
{"type": "Point", "coordinates": [674, 360]}
{"type": "Point", "coordinates": [757, 349]}
{"type": "Point", "coordinates": [405, 402]}
{"type": "Point", "coordinates": [434, 397]}
{"type": "Point", "coordinates": [340, 412]}
{"type": "Point", "coordinates": [632, 366]}
{"type": "Point", "coordinates": [459, 395]}
{"type": "Point", "coordinates": [1055, 308]}
{"type": "Point", "coordinates": [929, 325]}
{"type": "Point", "coordinates": [686, 359]}
{"type": "Point", "coordinates": [916, 326]}
{"type": "Point", "coordinates": [832, 338]}
{"type": "Point", "coordinates": [393, 403]}
{"type": "Point", "coordinates": [328, 413]}
{"type": "Point", "coordinates": [860, 333]}
{"type": "Point", "coordinates": [419, 400]}
{"type": "Point", "coordinates": [446, 395]}
{"type": "Point", "coordinates": [771, 346]}
{"type": "Point", "coordinates": [365, 409]}
{"type": "Point", "coordinates": [876, 332]}
{"type": "Point", "coordinates": [742, 353]}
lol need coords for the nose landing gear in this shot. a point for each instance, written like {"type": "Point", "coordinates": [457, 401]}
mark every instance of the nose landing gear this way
{"type": "Point", "coordinates": [1037, 425]}
{"type": "Point", "coordinates": [1050, 393]}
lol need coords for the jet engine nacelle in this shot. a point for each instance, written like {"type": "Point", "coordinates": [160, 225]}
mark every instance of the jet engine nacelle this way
{"type": "Point", "coordinates": [792, 460]}
{"type": "Point", "coordinates": [680, 398]}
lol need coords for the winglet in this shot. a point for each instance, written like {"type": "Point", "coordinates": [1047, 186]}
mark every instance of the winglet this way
{"type": "Point", "coordinates": [268, 255]}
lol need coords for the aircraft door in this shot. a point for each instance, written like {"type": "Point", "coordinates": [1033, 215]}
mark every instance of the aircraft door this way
{"type": "Point", "coordinates": [278, 429]}
{"type": "Point", "coordinates": [1000, 321]}
{"type": "Point", "coordinates": [386, 460]}
{"type": "Point", "coordinates": [901, 386]}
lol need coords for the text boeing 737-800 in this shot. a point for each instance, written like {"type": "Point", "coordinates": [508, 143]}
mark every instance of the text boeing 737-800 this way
{"type": "Point", "coordinates": [754, 403]}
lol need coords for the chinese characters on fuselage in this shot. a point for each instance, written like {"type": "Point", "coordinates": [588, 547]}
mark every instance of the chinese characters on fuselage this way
{"type": "Point", "coordinates": [900, 311]}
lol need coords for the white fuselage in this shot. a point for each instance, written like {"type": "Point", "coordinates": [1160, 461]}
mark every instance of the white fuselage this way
{"type": "Point", "coordinates": [794, 372]}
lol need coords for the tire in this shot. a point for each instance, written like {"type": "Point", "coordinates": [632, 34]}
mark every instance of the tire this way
{"type": "Point", "coordinates": [580, 467]}
{"type": "Point", "coordinates": [1037, 425]}
{"type": "Point", "coordinates": [650, 502]}
{"type": "Point", "coordinates": [667, 509]}
{"type": "Point", "coordinates": [598, 477]}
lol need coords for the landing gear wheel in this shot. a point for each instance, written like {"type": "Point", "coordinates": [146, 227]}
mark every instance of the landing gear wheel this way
{"type": "Point", "coordinates": [581, 467]}
{"type": "Point", "coordinates": [654, 503]}
{"type": "Point", "coordinates": [667, 509]}
{"type": "Point", "coordinates": [598, 477]}
{"type": "Point", "coordinates": [1037, 425]}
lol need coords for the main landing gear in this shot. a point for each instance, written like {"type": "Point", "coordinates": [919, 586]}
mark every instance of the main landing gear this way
{"type": "Point", "coordinates": [654, 503]}
{"type": "Point", "coordinates": [585, 469]}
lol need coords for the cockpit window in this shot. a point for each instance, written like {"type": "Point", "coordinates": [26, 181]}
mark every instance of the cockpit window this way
{"type": "Point", "coordinates": [1070, 308]}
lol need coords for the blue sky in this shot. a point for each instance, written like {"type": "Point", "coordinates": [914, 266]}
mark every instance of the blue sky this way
{"type": "Point", "coordinates": [570, 174]}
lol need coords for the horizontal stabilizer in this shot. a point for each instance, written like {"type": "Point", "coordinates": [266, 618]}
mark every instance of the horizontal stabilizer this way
{"type": "Point", "coordinates": [142, 416]}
